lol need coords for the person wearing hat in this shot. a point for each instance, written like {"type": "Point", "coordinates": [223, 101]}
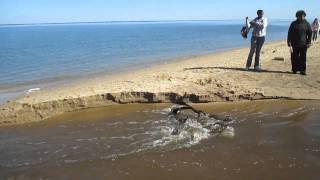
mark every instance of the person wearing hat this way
{"type": "Point", "coordinates": [299, 40]}
{"type": "Point", "coordinates": [259, 25]}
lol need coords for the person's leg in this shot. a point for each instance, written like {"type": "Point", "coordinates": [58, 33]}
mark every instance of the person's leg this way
{"type": "Point", "coordinates": [252, 51]}
{"type": "Point", "coordinates": [299, 60]}
{"type": "Point", "coordinates": [260, 43]}
{"type": "Point", "coordinates": [294, 59]}
{"type": "Point", "coordinates": [303, 60]}
{"type": "Point", "coordinates": [313, 35]}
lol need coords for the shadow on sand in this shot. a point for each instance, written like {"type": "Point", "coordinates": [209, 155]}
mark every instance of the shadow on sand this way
{"type": "Point", "coordinates": [238, 69]}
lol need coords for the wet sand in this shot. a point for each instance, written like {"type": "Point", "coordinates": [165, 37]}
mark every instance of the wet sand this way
{"type": "Point", "coordinates": [274, 139]}
{"type": "Point", "coordinates": [211, 78]}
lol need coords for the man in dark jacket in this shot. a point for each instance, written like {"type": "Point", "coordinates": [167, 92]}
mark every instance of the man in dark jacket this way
{"type": "Point", "coordinates": [299, 40]}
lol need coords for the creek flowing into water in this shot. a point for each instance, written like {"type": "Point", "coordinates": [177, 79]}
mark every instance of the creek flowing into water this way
{"type": "Point", "coordinates": [267, 140]}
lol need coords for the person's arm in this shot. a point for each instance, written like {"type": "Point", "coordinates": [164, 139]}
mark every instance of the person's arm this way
{"type": "Point", "coordinates": [262, 24]}
{"type": "Point", "coordinates": [289, 38]}
{"type": "Point", "coordinates": [253, 23]}
{"type": "Point", "coordinates": [313, 25]}
{"type": "Point", "coordinates": [309, 34]}
{"type": "Point", "coordinates": [248, 24]}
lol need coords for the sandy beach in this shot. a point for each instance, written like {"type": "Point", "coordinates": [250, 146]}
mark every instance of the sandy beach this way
{"type": "Point", "coordinates": [211, 78]}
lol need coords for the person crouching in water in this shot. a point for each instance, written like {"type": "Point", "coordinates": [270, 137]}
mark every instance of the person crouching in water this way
{"type": "Point", "coordinates": [315, 29]}
{"type": "Point", "coordinates": [299, 40]}
{"type": "Point", "coordinates": [259, 25]}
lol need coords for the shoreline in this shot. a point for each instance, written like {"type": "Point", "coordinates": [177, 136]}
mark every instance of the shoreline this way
{"type": "Point", "coordinates": [18, 90]}
{"type": "Point", "coordinates": [215, 77]}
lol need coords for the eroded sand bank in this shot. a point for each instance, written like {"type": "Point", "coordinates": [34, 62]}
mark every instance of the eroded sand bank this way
{"type": "Point", "coordinates": [211, 78]}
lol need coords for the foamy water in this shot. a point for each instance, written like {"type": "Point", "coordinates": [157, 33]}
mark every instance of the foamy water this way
{"type": "Point", "coordinates": [136, 136]}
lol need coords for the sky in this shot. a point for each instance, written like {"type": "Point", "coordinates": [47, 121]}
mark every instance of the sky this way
{"type": "Point", "coordinates": [61, 11]}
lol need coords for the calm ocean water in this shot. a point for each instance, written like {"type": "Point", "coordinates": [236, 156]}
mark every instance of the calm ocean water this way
{"type": "Point", "coordinates": [33, 56]}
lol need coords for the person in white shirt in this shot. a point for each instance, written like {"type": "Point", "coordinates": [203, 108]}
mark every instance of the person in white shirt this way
{"type": "Point", "coordinates": [259, 26]}
{"type": "Point", "coordinates": [315, 29]}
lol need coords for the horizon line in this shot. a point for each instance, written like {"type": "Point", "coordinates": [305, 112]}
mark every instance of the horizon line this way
{"type": "Point", "coordinates": [120, 21]}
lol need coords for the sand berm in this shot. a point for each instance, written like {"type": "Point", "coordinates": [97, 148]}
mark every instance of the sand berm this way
{"type": "Point", "coordinates": [211, 78]}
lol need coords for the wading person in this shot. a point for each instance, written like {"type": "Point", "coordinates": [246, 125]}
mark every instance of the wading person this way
{"type": "Point", "coordinates": [315, 29]}
{"type": "Point", "coordinates": [259, 25]}
{"type": "Point", "coordinates": [299, 40]}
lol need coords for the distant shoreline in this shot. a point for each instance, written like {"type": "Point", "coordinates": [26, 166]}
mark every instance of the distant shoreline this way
{"type": "Point", "coordinates": [120, 22]}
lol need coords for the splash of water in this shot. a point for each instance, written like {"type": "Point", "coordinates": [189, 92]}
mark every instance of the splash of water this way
{"type": "Point", "coordinates": [173, 134]}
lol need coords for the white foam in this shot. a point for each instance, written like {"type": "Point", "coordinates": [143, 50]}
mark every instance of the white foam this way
{"type": "Point", "coordinates": [190, 134]}
{"type": "Point", "coordinates": [32, 90]}
{"type": "Point", "coordinates": [228, 132]}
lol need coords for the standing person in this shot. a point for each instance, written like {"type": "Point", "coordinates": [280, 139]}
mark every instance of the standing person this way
{"type": "Point", "coordinates": [299, 40]}
{"type": "Point", "coordinates": [315, 29]}
{"type": "Point", "coordinates": [259, 25]}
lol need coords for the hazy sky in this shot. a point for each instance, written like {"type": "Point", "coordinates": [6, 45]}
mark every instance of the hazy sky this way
{"type": "Point", "coordinates": [43, 11]}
